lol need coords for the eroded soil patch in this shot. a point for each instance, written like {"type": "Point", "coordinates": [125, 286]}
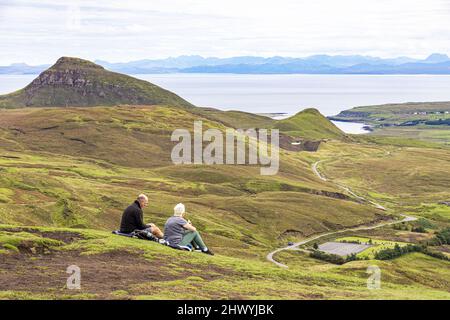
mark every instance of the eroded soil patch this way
{"type": "Point", "coordinates": [43, 270]}
{"type": "Point", "coordinates": [64, 236]}
{"type": "Point", "coordinates": [101, 274]}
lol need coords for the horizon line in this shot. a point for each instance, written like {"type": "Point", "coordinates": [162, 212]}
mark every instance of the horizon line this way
{"type": "Point", "coordinates": [237, 56]}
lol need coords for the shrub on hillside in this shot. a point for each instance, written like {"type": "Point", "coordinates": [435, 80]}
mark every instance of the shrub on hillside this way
{"type": "Point", "coordinates": [397, 251]}
{"type": "Point", "coordinates": [419, 229]}
{"type": "Point", "coordinates": [441, 238]}
{"type": "Point", "coordinates": [333, 258]}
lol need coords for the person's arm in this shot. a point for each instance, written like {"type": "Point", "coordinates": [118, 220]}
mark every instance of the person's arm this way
{"type": "Point", "coordinates": [140, 221]}
{"type": "Point", "coordinates": [189, 226]}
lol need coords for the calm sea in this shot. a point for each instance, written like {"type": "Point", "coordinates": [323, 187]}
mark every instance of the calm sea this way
{"type": "Point", "coordinates": [289, 93]}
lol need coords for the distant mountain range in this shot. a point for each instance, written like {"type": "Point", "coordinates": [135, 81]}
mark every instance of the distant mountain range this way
{"type": "Point", "coordinates": [317, 64]}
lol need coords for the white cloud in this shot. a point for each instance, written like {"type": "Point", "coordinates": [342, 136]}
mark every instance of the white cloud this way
{"type": "Point", "coordinates": [41, 31]}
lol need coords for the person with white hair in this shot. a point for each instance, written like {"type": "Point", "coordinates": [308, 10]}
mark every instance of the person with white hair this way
{"type": "Point", "coordinates": [180, 232]}
{"type": "Point", "coordinates": [133, 218]}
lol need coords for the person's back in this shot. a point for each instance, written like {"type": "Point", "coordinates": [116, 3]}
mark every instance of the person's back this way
{"type": "Point", "coordinates": [174, 231]}
{"type": "Point", "coordinates": [179, 232]}
{"type": "Point", "coordinates": [132, 219]}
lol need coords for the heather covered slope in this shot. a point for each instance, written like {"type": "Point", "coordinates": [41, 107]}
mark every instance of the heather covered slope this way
{"type": "Point", "coordinates": [73, 170]}
{"type": "Point", "coordinates": [35, 262]}
{"type": "Point", "coordinates": [77, 82]}
{"type": "Point", "coordinates": [82, 166]}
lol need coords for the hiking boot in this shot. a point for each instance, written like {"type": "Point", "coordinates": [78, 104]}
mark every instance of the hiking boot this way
{"type": "Point", "coordinates": [207, 251]}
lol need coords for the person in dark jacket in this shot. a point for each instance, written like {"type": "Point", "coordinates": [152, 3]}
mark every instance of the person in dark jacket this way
{"type": "Point", "coordinates": [133, 218]}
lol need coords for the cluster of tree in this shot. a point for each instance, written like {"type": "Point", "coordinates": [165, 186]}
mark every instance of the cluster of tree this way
{"type": "Point", "coordinates": [419, 229]}
{"type": "Point", "coordinates": [354, 257]}
{"type": "Point", "coordinates": [407, 227]}
{"type": "Point", "coordinates": [435, 254]}
{"type": "Point", "coordinates": [369, 242]}
{"type": "Point", "coordinates": [334, 258]}
{"type": "Point", "coordinates": [351, 241]}
{"type": "Point", "coordinates": [397, 251]}
{"type": "Point", "coordinates": [402, 226]}
{"type": "Point", "coordinates": [441, 238]}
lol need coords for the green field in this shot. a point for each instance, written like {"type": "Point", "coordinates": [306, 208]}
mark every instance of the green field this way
{"type": "Point", "coordinates": [377, 245]}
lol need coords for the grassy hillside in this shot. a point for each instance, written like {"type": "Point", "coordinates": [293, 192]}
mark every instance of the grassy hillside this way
{"type": "Point", "coordinates": [77, 82]}
{"type": "Point", "coordinates": [35, 262]}
{"type": "Point", "coordinates": [410, 179]}
{"type": "Point", "coordinates": [235, 119]}
{"type": "Point", "coordinates": [80, 167]}
{"type": "Point", "coordinates": [50, 177]}
{"type": "Point", "coordinates": [309, 123]}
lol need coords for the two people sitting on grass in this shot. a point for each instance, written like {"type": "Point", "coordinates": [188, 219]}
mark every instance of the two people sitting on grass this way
{"type": "Point", "coordinates": [180, 232]}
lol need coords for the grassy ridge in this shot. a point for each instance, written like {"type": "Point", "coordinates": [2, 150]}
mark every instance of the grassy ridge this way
{"type": "Point", "coordinates": [309, 123]}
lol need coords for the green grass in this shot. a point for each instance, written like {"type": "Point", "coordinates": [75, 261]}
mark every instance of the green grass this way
{"type": "Point", "coordinates": [309, 123]}
{"type": "Point", "coordinates": [435, 212]}
{"type": "Point", "coordinates": [410, 179]}
{"type": "Point", "coordinates": [10, 241]}
{"type": "Point", "coordinates": [419, 136]}
{"type": "Point", "coordinates": [223, 277]}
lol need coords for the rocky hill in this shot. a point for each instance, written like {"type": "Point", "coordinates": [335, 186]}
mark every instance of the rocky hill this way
{"type": "Point", "coordinates": [77, 82]}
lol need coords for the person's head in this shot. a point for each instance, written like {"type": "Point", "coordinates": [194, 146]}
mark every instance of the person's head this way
{"type": "Point", "coordinates": [179, 210]}
{"type": "Point", "coordinates": [143, 200]}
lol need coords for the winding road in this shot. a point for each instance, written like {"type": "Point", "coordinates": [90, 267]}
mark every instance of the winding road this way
{"type": "Point", "coordinates": [297, 244]}
{"type": "Point", "coordinates": [317, 172]}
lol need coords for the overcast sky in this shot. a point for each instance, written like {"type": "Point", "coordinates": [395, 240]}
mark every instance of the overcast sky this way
{"type": "Point", "coordinates": [39, 32]}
